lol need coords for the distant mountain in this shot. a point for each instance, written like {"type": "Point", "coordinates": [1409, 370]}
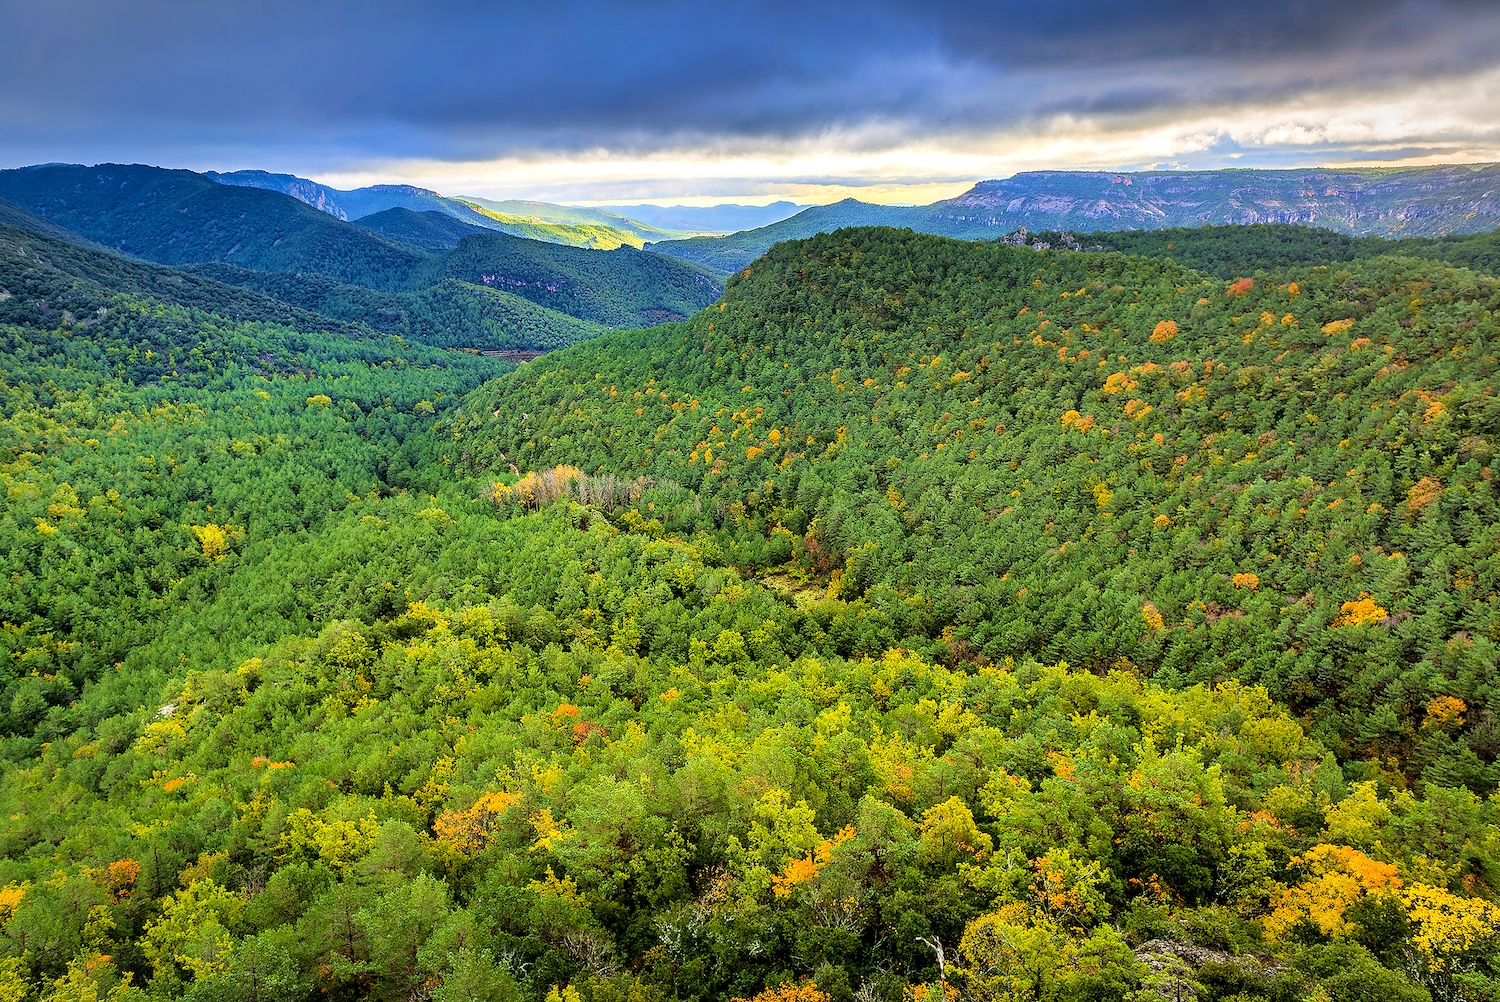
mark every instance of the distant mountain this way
{"type": "Point", "coordinates": [575, 215]}
{"type": "Point", "coordinates": [708, 219]}
{"type": "Point", "coordinates": [346, 205]}
{"type": "Point", "coordinates": [1376, 201]}
{"type": "Point", "coordinates": [577, 227]}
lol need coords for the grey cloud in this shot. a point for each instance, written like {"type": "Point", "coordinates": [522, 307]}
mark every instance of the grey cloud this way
{"type": "Point", "coordinates": [468, 80]}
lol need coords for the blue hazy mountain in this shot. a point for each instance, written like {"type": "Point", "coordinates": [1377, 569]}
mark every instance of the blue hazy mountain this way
{"type": "Point", "coordinates": [1359, 201]}
{"type": "Point", "coordinates": [725, 218]}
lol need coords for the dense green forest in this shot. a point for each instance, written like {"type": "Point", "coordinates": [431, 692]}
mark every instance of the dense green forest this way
{"type": "Point", "coordinates": [1232, 251]}
{"type": "Point", "coordinates": [431, 231]}
{"type": "Point", "coordinates": [1039, 445]}
{"type": "Point", "coordinates": [923, 620]}
{"type": "Point", "coordinates": [450, 313]}
{"type": "Point", "coordinates": [152, 425]}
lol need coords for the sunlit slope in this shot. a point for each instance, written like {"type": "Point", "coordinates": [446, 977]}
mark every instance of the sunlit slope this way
{"type": "Point", "coordinates": [1096, 458]}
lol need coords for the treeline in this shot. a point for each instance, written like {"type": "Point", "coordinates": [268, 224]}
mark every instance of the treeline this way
{"type": "Point", "coordinates": [1235, 251]}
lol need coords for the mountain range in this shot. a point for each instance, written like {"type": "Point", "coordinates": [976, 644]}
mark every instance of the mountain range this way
{"type": "Point", "coordinates": [453, 284]}
{"type": "Point", "coordinates": [1378, 201]}
{"type": "Point", "coordinates": [635, 222]}
{"type": "Point", "coordinates": [581, 227]}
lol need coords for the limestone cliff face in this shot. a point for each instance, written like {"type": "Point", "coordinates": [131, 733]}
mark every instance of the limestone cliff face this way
{"type": "Point", "coordinates": [1393, 202]}
{"type": "Point", "coordinates": [310, 192]}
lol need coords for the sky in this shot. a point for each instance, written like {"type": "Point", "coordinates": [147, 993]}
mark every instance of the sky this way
{"type": "Point", "coordinates": [695, 103]}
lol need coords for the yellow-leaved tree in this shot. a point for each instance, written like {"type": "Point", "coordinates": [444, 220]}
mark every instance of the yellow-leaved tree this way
{"type": "Point", "coordinates": [1337, 876]}
{"type": "Point", "coordinates": [195, 930]}
{"type": "Point", "coordinates": [1446, 926]}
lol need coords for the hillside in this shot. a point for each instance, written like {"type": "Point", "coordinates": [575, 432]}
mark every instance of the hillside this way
{"type": "Point", "coordinates": [723, 218]}
{"type": "Point", "coordinates": [1102, 434]}
{"type": "Point", "coordinates": [618, 288]}
{"type": "Point", "coordinates": [56, 270]}
{"type": "Point", "coordinates": [1232, 251]}
{"type": "Point", "coordinates": [178, 217]}
{"type": "Point", "coordinates": [1387, 202]}
{"type": "Point", "coordinates": [448, 314]}
{"type": "Point", "coordinates": [13, 215]}
{"type": "Point", "coordinates": [1124, 632]}
{"type": "Point", "coordinates": [430, 231]}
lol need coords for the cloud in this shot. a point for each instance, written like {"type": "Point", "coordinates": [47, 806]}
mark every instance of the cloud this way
{"type": "Point", "coordinates": [691, 95]}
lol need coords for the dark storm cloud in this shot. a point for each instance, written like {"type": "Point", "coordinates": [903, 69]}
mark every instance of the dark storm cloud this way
{"type": "Point", "coordinates": [476, 80]}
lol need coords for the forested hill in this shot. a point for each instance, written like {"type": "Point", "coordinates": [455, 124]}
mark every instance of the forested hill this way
{"type": "Point", "coordinates": [449, 313]}
{"type": "Point", "coordinates": [1086, 457]}
{"type": "Point", "coordinates": [1388, 201]}
{"type": "Point", "coordinates": [48, 279]}
{"type": "Point", "coordinates": [620, 288]}
{"type": "Point", "coordinates": [13, 215]}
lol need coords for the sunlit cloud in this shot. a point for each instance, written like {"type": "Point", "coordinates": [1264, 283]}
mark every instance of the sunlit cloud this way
{"type": "Point", "coordinates": [885, 100]}
{"type": "Point", "coordinates": [1449, 121]}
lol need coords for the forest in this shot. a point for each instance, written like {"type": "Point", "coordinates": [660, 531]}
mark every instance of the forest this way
{"type": "Point", "coordinates": [922, 621]}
